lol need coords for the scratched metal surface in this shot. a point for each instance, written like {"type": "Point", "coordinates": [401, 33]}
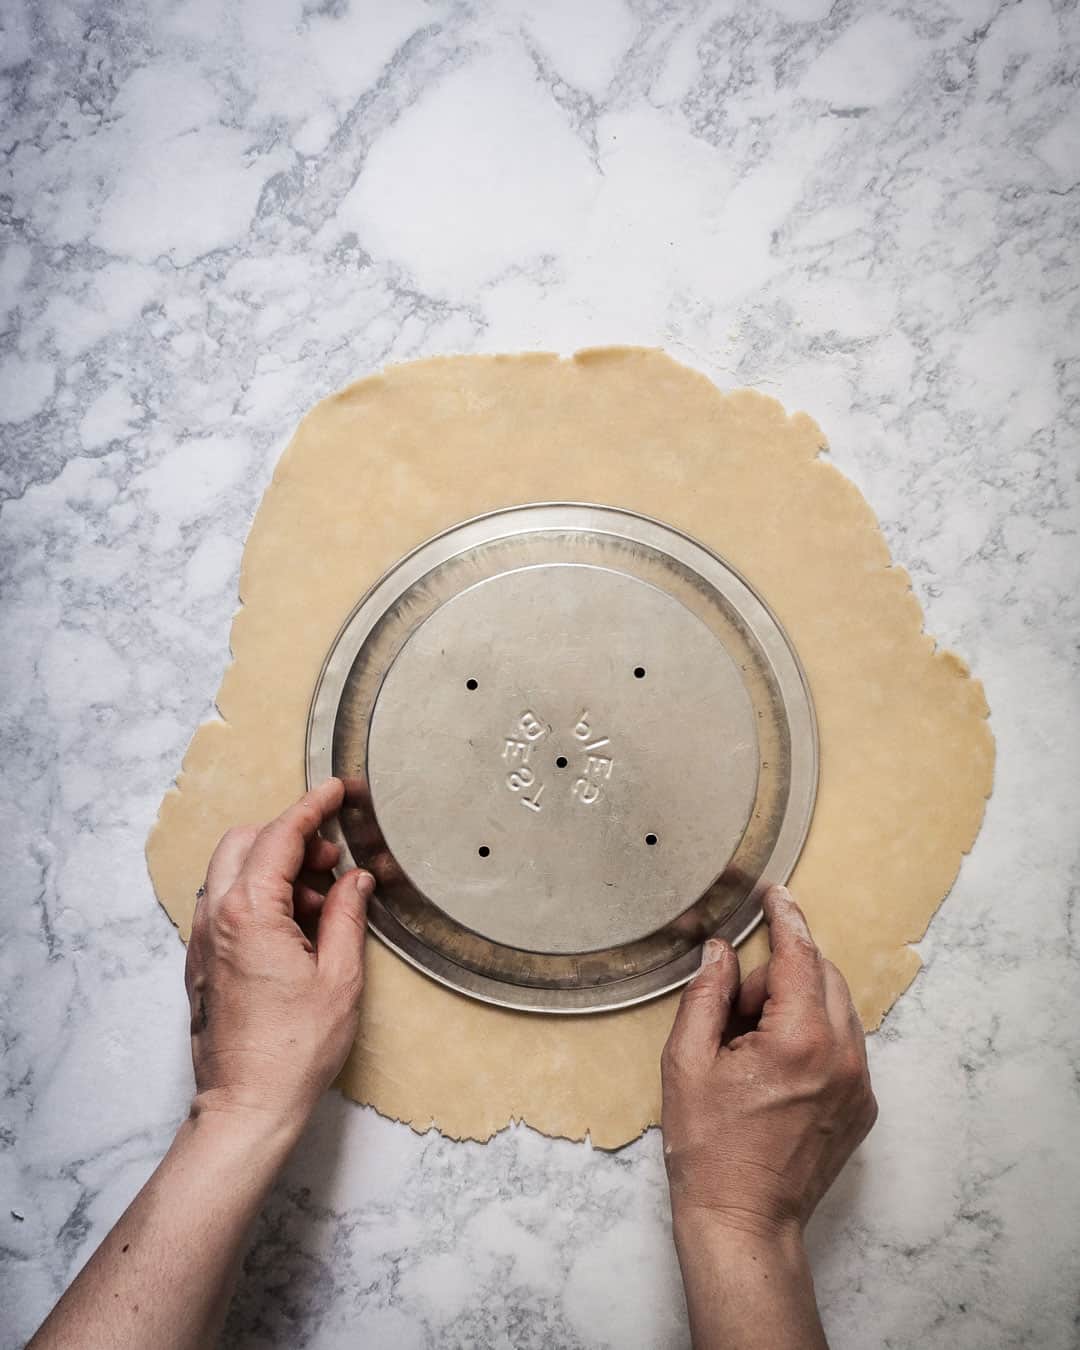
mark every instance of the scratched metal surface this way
{"type": "Point", "coordinates": [577, 744]}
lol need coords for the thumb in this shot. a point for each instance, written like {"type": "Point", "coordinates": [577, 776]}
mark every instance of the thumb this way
{"type": "Point", "coordinates": [705, 1006]}
{"type": "Point", "coordinates": [342, 931]}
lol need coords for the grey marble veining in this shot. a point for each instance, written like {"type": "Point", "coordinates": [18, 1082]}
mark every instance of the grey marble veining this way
{"type": "Point", "coordinates": [210, 216]}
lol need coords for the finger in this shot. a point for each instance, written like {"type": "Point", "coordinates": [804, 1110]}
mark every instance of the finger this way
{"type": "Point", "coordinates": [385, 869]}
{"type": "Point", "coordinates": [308, 902]}
{"type": "Point", "coordinates": [795, 979]}
{"type": "Point", "coordinates": [343, 929]}
{"type": "Point", "coordinates": [228, 859]}
{"type": "Point", "coordinates": [705, 1006]}
{"type": "Point", "coordinates": [321, 855]}
{"type": "Point", "coordinates": [357, 793]}
{"type": "Point", "coordinates": [752, 994]}
{"type": "Point", "coordinates": [278, 852]}
{"type": "Point", "coordinates": [841, 1009]}
{"type": "Point", "coordinates": [747, 1010]}
{"type": "Point", "coordinates": [363, 829]}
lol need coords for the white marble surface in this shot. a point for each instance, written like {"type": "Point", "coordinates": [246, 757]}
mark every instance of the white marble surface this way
{"type": "Point", "coordinates": [213, 214]}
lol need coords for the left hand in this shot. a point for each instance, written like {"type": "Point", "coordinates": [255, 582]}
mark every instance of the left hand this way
{"type": "Point", "coordinates": [273, 1015]}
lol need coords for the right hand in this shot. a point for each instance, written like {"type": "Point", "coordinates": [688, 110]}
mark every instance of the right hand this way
{"type": "Point", "coordinates": [766, 1087]}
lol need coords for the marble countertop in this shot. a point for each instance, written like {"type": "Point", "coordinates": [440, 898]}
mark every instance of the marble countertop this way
{"type": "Point", "coordinates": [211, 215]}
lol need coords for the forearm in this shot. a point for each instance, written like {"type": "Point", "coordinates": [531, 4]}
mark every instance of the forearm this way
{"type": "Point", "coordinates": [165, 1273]}
{"type": "Point", "coordinates": [746, 1290]}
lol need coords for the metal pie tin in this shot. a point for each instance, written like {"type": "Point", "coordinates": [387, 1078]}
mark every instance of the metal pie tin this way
{"type": "Point", "coordinates": [576, 743]}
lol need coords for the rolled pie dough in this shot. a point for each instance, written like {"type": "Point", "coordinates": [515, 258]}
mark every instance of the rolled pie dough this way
{"type": "Point", "coordinates": [906, 752]}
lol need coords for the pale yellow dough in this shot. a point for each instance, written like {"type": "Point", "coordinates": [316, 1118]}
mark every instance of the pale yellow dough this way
{"type": "Point", "coordinates": [906, 751]}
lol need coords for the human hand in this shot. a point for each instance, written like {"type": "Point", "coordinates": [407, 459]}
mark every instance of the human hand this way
{"type": "Point", "coordinates": [272, 1013]}
{"type": "Point", "coordinates": [766, 1087]}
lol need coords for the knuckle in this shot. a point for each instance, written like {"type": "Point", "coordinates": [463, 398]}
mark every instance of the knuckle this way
{"type": "Point", "coordinates": [809, 1041]}
{"type": "Point", "coordinates": [709, 990]}
{"type": "Point", "coordinates": [352, 914]}
{"type": "Point", "coordinates": [680, 1060]}
{"type": "Point", "coordinates": [672, 1060]}
{"type": "Point", "coordinates": [233, 912]}
{"type": "Point", "coordinates": [302, 817]}
{"type": "Point", "coordinates": [346, 990]}
{"type": "Point", "coordinates": [353, 986]}
{"type": "Point", "coordinates": [241, 835]}
{"type": "Point", "coordinates": [849, 1070]}
{"type": "Point", "coordinates": [270, 831]}
{"type": "Point", "coordinates": [835, 974]}
{"type": "Point", "coordinates": [806, 948]}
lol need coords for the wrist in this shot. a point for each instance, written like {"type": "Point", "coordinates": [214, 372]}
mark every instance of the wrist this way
{"type": "Point", "coordinates": [733, 1236]}
{"type": "Point", "coordinates": [748, 1283]}
{"type": "Point", "coordinates": [255, 1128]}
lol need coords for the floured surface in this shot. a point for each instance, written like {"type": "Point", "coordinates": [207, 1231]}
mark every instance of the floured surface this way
{"type": "Point", "coordinates": [906, 752]}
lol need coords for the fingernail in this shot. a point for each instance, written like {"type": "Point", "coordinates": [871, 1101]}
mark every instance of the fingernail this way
{"type": "Point", "coordinates": [714, 950]}
{"type": "Point", "coordinates": [793, 915]}
{"type": "Point", "coordinates": [778, 895]}
{"type": "Point", "coordinates": [365, 883]}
